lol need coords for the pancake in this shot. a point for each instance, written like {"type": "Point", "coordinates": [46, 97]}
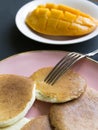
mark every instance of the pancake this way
{"type": "Point", "coordinates": [69, 86]}
{"type": "Point", "coordinates": [18, 125]}
{"type": "Point", "coordinates": [17, 95]}
{"type": "Point", "coordinates": [39, 123]}
{"type": "Point", "coordinates": [80, 114]}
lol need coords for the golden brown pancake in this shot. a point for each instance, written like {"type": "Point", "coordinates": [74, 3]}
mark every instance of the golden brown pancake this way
{"type": "Point", "coordinates": [39, 123]}
{"type": "Point", "coordinates": [69, 86]}
{"type": "Point", "coordinates": [79, 114]}
{"type": "Point", "coordinates": [17, 95]}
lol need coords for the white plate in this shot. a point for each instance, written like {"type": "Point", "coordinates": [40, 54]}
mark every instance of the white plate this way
{"type": "Point", "coordinates": [83, 5]}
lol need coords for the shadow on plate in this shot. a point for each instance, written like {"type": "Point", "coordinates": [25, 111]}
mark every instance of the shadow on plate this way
{"type": "Point", "coordinates": [55, 38]}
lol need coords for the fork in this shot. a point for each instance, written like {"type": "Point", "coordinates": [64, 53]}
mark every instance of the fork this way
{"type": "Point", "coordinates": [64, 64]}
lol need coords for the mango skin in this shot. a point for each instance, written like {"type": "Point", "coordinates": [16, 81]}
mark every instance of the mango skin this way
{"type": "Point", "coordinates": [60, 20]}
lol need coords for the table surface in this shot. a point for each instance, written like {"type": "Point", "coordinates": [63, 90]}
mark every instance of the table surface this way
{"type": "Point", "coordinates": [12, 41]}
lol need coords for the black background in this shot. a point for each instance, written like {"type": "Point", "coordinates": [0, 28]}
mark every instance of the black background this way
{"type": "Point", "coordinates": [13, 42]}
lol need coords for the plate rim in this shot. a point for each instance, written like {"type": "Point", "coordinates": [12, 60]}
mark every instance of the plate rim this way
{"type": "Point", "coordinates": [41, 39]}
{"type": "Point", "coordinates": [43, 51]}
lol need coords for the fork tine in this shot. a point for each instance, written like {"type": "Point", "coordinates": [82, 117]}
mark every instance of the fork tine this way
{"type": "Point", "coordinates": [58, 65]}
{"type": "Point", "coordinates": [64, 66]}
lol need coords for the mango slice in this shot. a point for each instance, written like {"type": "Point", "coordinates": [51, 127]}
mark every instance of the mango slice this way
{"type": "Point", "coordinates": [60, 20]}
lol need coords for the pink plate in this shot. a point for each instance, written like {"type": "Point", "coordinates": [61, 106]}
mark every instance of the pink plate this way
{"type": "Point", "coordinates": [28, 62]}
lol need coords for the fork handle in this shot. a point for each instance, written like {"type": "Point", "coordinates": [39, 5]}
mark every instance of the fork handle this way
{"type": "Point", "coordinates": [92, 53]}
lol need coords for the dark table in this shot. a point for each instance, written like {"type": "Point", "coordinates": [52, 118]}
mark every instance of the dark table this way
{"type": "Point", "coordinates": [13, 42]}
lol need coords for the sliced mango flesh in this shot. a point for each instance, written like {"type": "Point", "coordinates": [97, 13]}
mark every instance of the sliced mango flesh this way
{"type": "Point", "coordinates": [60, 20]}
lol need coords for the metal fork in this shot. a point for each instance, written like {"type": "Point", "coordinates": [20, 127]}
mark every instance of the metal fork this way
{"type": "Point", "coordinates": [64, 64]}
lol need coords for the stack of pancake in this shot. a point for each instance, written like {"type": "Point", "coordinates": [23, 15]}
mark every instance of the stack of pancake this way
{"type": "Point", "coordinates": [74, 104]}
